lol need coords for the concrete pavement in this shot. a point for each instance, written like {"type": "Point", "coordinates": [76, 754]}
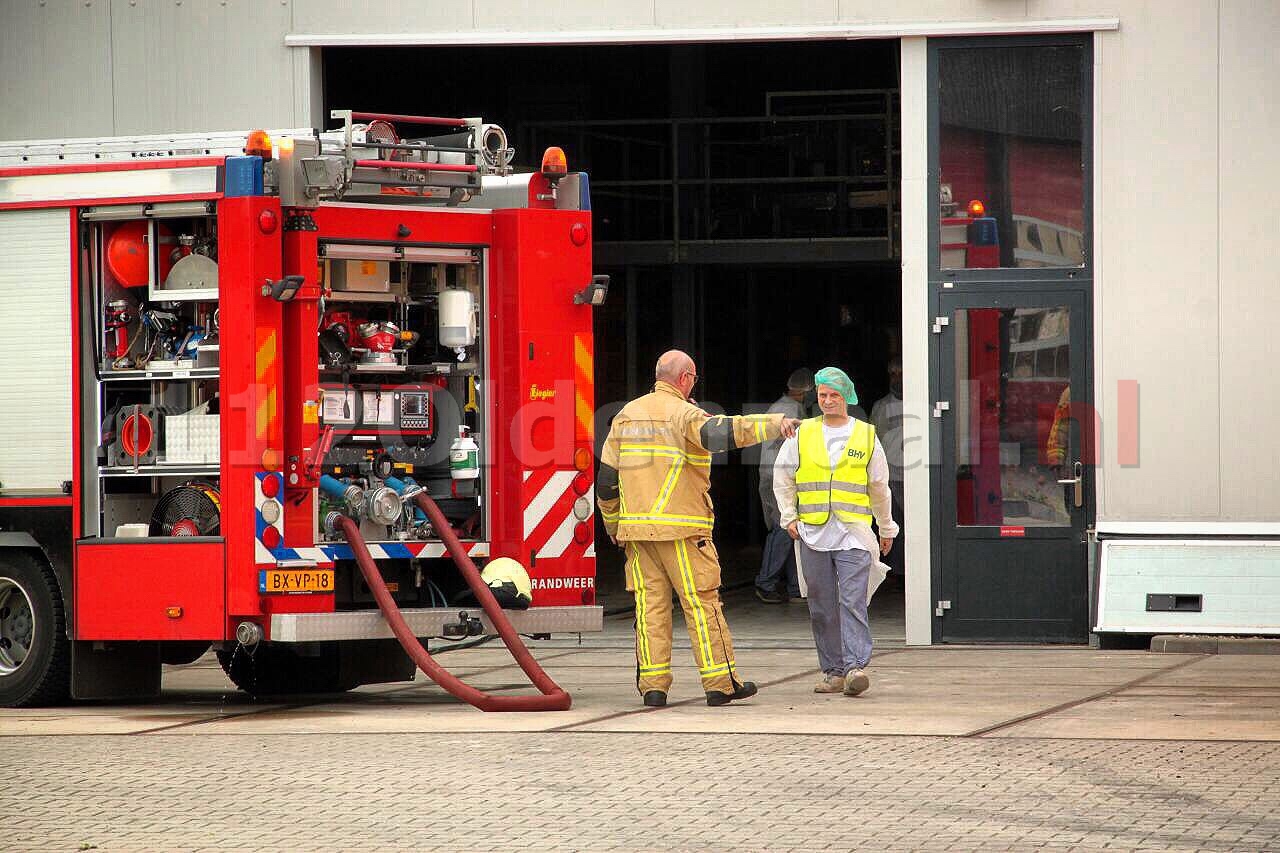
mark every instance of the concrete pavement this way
{"type": "Point", "coordinates": [952, 747]}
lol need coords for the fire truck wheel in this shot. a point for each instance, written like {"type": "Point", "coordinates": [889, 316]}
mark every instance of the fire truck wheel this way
{"type": "Point", "coordinates": [275, 669]}
{"type": "Point", "coordinates": [35, 654]}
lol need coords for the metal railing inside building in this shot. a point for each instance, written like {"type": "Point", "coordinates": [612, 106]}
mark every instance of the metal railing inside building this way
{"type": "Point", "coordinates": [814, 179]}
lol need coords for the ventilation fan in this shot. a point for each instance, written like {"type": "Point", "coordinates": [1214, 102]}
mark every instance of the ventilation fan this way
{"type": "Point", "coordinates": [192, 509]}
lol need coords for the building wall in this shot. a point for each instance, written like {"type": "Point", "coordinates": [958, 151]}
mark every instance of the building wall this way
{"type": "Point", "coordinates": [1186, 117]}
{"type": "Point", "coordinates": [124, 67]}
{"type": "Point", "coordinates": [1248, 259]}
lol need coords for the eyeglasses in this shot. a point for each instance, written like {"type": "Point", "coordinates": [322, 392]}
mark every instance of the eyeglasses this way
{"type": "Point", "coordinates": [691, 373]}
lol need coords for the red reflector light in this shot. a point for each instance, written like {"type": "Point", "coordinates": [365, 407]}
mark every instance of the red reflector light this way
{"type": "Point", "coordinates": [271, 486]}
{"type": "Point", "coordinates": [581, 483]}
{"type": "Point", "coordinates": [578, 233]}
{"type": "Point", "coordinates": [977, 208]}
{"type": "Point", "coordinates": [271, 538]}
{"type": "Point", "coordinates": [267, 221]}
{"type": "Point", "coordinates": [554, 162]}
{"type": "Point", "coordinates": [582, 533]}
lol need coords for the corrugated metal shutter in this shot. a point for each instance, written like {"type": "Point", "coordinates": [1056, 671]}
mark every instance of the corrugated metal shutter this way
{"type": "Point", "coordinates": [35, 349]}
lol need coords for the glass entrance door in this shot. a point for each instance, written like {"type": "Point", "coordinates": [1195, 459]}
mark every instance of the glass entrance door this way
{"type": "Point", "coordinates": [1017, 446]}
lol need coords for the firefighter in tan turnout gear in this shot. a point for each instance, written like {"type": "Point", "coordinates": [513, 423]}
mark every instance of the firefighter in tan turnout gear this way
{"type": "Point", "coordinates": [654, 475]}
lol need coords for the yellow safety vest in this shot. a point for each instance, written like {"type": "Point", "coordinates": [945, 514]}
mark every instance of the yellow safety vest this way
{"type": "Point", "coordinates": [820, 489]}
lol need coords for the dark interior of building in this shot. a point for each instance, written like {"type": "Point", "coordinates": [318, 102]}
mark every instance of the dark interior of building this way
{"type": "Point", "coordinates": [745, 202]}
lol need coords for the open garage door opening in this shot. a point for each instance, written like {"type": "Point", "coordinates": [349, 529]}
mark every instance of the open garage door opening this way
{"type": "Point", "coordinates": [746, 204]}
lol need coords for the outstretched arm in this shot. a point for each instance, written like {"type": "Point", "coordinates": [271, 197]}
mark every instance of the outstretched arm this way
{"type": "Point", "coordinates": [718, 433]}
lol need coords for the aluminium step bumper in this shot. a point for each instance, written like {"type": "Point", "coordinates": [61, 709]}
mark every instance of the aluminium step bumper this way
{"type": "Point", "coordinates": [428, 622]}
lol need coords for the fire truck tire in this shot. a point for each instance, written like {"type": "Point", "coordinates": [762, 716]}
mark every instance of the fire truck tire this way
{"type": "Point", "coordinates": [35, 654]}
{"type": "Point", "coordinates": [274, 669]}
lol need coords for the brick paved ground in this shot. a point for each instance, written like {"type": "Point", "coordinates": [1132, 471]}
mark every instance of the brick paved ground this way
{"type": "Point", "coordinates": [591, 791]}
{"type": "Point", "coordinates": [951, 749]}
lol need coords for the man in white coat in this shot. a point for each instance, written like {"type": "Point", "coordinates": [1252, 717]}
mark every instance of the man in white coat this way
{"type": "Point", "coordinates": [831, 479]}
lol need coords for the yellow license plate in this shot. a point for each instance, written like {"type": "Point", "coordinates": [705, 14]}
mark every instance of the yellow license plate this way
{"type": "Point", "coordinates": [286, 581]}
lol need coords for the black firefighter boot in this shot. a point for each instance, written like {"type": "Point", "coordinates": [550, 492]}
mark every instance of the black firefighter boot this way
{"type": "Point", "coordinates": [655, 699]}
{"type": "Point", "coordinates": [745, 690]}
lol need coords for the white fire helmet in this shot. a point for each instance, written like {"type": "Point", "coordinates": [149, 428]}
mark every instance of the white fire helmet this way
{"type": "Point", "coordinates": [509, 582]}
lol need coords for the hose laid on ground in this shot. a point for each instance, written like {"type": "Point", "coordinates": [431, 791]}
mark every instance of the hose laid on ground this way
{"type": "Point", "coordinates": [554, 698]}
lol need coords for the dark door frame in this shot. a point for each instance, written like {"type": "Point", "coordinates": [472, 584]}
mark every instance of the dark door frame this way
{"type": "Point", "coordinates": [993, 282]}
{"type": "Point", "coordinates": [946, 531]}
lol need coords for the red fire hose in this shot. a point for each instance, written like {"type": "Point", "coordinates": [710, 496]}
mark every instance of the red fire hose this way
{"type": "Point", "coordinates": [553, 699]}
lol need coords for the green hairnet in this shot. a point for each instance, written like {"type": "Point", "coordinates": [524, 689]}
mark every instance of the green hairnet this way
{"type": "Point", "coordinates": [834, 377]}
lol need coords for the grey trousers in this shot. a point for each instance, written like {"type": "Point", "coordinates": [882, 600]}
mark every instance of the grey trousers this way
{"type": "Point", "coordinates": [837, 582]}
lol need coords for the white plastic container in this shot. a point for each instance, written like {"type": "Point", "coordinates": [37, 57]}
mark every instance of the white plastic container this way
{"type": "Point", "coordinates": [192, 437]}
{"type": "Point", "coordinates": [464, 456]}
{"type": "Point", "coordinates": [457, 318]}
{"type": "Point", "coordinates": [133, 531]}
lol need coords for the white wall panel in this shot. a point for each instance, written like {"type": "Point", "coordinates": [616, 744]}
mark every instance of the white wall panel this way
{"type": "Point", "coordinates": [535, 15]}
{"type": "Point", "coordinates": [55, 61]}
{"type": "Point", "coordinates": [200, 65]}
{"type": "Point", "coordinates": [752, 13]}
{"type": "Point", "coordinates": [877, 11]}
{"type": "Point", "coordinates": [1078, 8]}
{"type": "Point", "coordinates": [308, 88]}
{"type": "Point", "coordinates": [35, 379]}
{"type": "Point", "coordinates": [916, 208]}
{"type": "Point", "coordinates": [1249, 259]}
{"type": "Point", "coordinates": [385, 16]}
{"type": "Point", "coordinates": [1159, 305]}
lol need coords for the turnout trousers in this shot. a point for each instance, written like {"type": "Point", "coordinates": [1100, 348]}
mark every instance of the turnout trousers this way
{"type": "Point", "coordinates": [692, 568]}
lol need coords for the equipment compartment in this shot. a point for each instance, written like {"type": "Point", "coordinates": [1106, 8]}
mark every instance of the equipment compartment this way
{"type": "Point", "coordinates": [398, 371]}
{"type": "Point", "coordinates": [151, 368]}
{"type": "Point", "coordinates": [176, 594]}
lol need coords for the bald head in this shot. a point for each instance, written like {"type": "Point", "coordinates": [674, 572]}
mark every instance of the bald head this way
{"type": "Point", "coordinates": [671, 365]}
{"type": "Point", "coordinates": [676, 368]}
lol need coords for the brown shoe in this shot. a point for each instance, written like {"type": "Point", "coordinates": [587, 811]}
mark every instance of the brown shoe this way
{"type": "Point", "coordinates": [856, 682]}
{"type": "Point", "coordinates": [829, 684]}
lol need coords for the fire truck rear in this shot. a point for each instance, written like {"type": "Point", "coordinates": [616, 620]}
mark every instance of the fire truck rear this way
{"type": "Point", "coordinates": [233, 364]}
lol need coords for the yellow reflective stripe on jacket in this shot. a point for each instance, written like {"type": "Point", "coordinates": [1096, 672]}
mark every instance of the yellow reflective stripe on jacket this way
{"type": "Point", "coordinates": [760, 426]}
{"type": "Point", "coordinates": [664, 518]}
{"type": "Point", "coordinates": [695, 603]}
{"type": "Point", "coordinates": [666, 451]}
{"type": "Point", "coordinates": [668, 485]}
{"type": "Point", "coordinates": [821, 490]}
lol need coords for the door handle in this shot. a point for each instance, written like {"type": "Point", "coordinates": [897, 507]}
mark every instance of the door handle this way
{"type": "Point", "coordinates": [1078, 482]}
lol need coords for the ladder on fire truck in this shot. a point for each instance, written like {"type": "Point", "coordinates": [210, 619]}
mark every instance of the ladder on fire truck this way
{"type": "Point", "coordinates": [366, 155]}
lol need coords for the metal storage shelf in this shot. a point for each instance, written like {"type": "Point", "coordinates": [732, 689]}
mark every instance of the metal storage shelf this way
{"type": "Point", "coordinates": [195, 469]}
{"type": "Point", "coordinates": [204, 294]}
{"type": "Point", "coordinates": [147, 375]}
{"type": "Point", "coordinates": [363, 296]}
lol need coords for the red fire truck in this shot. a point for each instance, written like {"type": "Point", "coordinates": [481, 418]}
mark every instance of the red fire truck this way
{"type": "Point", "coordinates": [224, 358]}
